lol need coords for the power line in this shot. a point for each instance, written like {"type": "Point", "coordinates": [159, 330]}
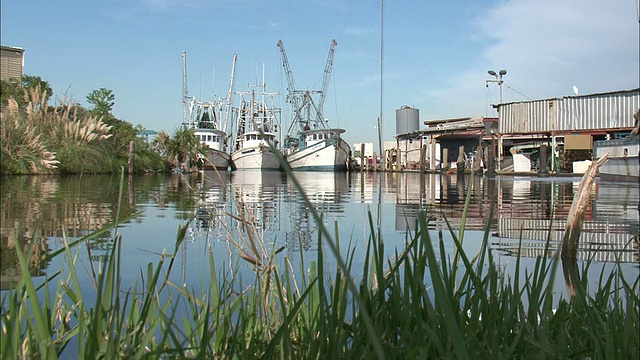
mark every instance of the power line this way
{"type": "Point", "coordinates": [528, 98]}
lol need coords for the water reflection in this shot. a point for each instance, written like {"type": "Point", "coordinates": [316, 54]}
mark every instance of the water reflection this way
{"type": "Point", "coordinates": [535, 210]}
{"type": "Point", "coordinates": [40, 210]}
{"type": "Point", "coordinates": [327, 193]}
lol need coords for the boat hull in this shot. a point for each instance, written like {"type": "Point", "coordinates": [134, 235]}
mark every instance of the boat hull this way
{"type": "Point", "coordinates": [216, 160]}
{"type": "Point", "coordinates": [255, 158]}
{"type": "Point", "coordinates": [320, 157]}
{"type": "Point", "coordinates": [215, 141]}
{"type": "Point", "coordinates": [624, 159]}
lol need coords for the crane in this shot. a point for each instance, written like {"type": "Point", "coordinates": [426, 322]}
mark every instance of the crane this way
{"type": "Point", "coordinates": [302, 100]}
{"type": "Point", "coordinates": [327, 72]}
{"type": "Point", "coordinates": [227, 104]}
{"type": "Point", "coordinates": [292, 96]}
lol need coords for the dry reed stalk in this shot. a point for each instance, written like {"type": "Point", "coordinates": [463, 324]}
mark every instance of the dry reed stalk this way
{"type": "Point", "coordinates": [576, 212]}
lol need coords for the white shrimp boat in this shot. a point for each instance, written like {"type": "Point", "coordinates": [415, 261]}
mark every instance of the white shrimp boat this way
{"type": "Point", "coordinates": [216, 142]}
{"type": "Point", "coordinates": [208, 123]}
{"type": "Point", "coordinates": [317, 150]}
{"type": "Point", "coordinates": [257, 125]}
{"type": "Point", "coordinates": [310, 143]}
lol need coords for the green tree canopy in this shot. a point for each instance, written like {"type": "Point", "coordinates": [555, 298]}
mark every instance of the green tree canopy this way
{"type": "Point", "coordinates": [102, 100]}
{"type": "Point", "coordinates": [15, 88]}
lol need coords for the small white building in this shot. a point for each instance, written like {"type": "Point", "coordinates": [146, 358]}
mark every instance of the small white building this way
{"type": "Point", "coordinates": [361, 150]}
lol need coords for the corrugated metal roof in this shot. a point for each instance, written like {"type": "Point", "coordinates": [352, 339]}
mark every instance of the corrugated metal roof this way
{"type": "Point", "coordinates": [603, 111]}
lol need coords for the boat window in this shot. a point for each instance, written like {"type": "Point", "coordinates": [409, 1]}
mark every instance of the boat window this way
{"type": "Point", "coordinates": [315, 137]}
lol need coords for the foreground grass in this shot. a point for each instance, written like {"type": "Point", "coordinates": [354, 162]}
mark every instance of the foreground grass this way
{"type": "Point", "coordinates": [421, 303]}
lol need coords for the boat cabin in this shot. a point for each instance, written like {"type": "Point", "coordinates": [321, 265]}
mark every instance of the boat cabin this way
{"type": "Point", "coordinates": [214, 139]}
{"type": "Point", "coordinates": [313, 137]}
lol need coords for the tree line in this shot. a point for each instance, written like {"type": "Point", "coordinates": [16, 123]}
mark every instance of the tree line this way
{"type": "Point", "coordinates": [68, 138]}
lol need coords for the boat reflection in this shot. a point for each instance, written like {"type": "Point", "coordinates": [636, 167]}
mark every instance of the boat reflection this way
{"type": "Point", "coordinates": [210, 211]}
{"type": "Point", "coordinates": [257, 197]}
{"type": "Point", "coordinates": [327, 193]}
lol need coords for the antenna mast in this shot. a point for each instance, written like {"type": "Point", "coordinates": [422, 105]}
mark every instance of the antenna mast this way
{"type": "Point", "coordinates": [381, 83]}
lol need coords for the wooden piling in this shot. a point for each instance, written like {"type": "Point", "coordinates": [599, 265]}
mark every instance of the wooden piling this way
{"type": "Point", "coordinates": [132, 152]}
{"type": "Point", "coordinates": [491, 156]}
{"type": "Point", "coordinates": [362, 163]}
{"type": "Point", "coordinates": [445, 160]}
{"type": "Point", "coordinates": [543, 160]}
{"type": "Point", "coordinates": [460, 161]}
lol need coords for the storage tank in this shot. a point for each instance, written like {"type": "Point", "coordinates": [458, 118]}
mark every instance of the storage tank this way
{"type": "Point", "coordinates": [407, 120]}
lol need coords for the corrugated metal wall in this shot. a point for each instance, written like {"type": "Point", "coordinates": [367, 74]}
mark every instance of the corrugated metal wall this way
{"type": "Point", "coordinates": [589, 112]}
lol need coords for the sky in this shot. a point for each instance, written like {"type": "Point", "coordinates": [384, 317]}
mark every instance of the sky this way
{"type": "Point", "coordinates": [435, 56]}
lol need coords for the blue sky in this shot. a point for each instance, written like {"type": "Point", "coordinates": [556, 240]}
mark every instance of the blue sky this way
{"type": "Point", "coordinates": [436, 53]}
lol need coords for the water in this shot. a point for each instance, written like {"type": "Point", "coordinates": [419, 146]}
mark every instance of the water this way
{"type": "Point", "coordinates": [154, 206]}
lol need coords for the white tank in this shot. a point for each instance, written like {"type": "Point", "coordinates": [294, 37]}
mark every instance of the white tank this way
{"type": "Point", "coordinates": [407, 120]}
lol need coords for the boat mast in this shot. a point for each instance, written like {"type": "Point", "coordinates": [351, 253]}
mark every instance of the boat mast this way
{"type": "Point", "coordinates": [186, 101]}
{"type": "Point", "coordinates": [227, 104]}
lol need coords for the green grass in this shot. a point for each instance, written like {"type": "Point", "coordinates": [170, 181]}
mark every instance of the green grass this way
{"type": "Point", "coordinates": [421, 303]}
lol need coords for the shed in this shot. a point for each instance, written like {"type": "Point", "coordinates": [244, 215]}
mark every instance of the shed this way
{"type": "Point", "coordinates": [11, 62]}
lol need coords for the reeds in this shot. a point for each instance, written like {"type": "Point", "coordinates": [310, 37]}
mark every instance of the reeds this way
{"type": "Point", "coordinates": [421, 303]}
{"type": "Point", "coordinates": [41, 139]}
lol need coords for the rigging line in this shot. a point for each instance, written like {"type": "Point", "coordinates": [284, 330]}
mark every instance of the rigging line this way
{"type": "Point", "coordinates": [335, 98]}
{"type": "Point", "coordinates": [528, 98]}
{"type": "Point", "coordinates": [489, 100]}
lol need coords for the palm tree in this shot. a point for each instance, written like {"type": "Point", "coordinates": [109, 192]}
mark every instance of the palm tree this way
{"type": "Point", "coordinates": [159, 144]}
{"type": "Point", "coordinates": [184, 147]}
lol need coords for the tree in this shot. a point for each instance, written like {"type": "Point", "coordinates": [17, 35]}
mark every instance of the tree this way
{"type": "Point", "coordinates": [31, 82]}
{"type": "Point", "coordinates": [185, 147]}
{"type": "Point", "coordinates": [15, 88]}
{"type": "Point", "coordinates": [102, 101]}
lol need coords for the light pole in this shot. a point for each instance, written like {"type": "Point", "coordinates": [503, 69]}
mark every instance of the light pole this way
{"type": "Point", "coordinates": [497, 79]}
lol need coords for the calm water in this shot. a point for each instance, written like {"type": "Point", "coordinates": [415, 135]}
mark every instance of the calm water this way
{"type": "Point", "coordinates": [154, 207]}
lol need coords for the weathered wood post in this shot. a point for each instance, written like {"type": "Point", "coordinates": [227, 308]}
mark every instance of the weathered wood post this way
{"type": "Point", "coordinates": [362, 164]}
{"type": "Point", "coordinates": [543, 160]}
{"type": "Point", "coordinates": [445, 160]}
{"type": "Point", "coordinates": [423, 157]}
{"type": "Point", "coordinates": [491, 158]}
{"type": "Point", "coordinates": [132, 152]}
{"type": "Point", "coordinates": [432, 156]}
{"type": "Point", "coordinates": [477, 160]}
{"type": "Point", "coordinates": [460, 161]}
